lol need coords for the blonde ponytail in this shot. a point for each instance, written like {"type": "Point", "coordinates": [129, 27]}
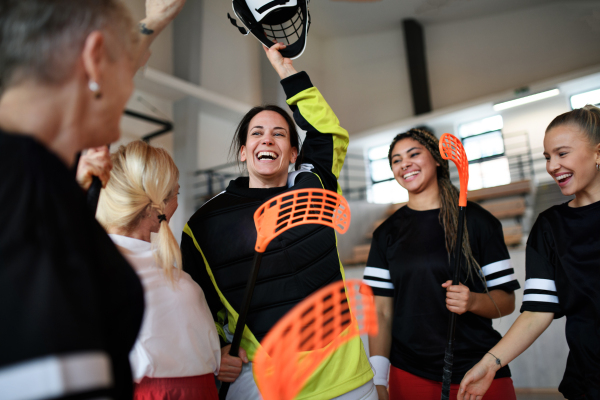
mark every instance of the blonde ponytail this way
{"type": "Point", "coordinates": [142, 181]}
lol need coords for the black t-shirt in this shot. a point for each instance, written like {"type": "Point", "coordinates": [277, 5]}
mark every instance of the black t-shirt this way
{"type": "Point", "coordinates": [563, 277]}
{"type": "Point", "coordinates": [71, 305]}
{"type": "Point", "coordinates": [409, 262]}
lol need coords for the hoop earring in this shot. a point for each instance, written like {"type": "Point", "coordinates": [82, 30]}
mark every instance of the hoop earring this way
{"type": "Point", "coordinates": [95, 88]}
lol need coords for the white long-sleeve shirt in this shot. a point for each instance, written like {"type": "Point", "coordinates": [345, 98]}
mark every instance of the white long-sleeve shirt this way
{"type": "Point", "coordinates": [178, 336]}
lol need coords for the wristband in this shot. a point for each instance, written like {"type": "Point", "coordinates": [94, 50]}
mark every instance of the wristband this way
{"type": "Point", "coordinates": [381, 369]}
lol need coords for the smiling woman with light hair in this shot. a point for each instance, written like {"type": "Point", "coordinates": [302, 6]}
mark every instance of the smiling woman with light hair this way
{"type": "Point", "coordinates": [66, 73]}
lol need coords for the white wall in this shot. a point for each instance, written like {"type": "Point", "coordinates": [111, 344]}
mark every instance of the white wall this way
{"type": "Point", "coordinates": [365, 77]}
{"type": "Point", "coordinates": [230, 62]}
{"type": "Point", "coordinates": [469, 59]}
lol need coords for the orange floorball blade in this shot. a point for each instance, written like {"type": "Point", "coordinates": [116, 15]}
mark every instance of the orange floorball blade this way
{"type": "Point", "coordinates": [299, 207]}
{"type": "Point", "coordinates": [452, 149]}
{"type": "Point", "coordinates": [309, 333]}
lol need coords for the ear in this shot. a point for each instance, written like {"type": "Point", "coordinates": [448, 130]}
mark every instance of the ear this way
{"type": "Point", "coordinates": [597, 153]}
{"type": "Point", "coordinates": [294, 155]}
{"type": "Point", "coordinates": [243, 153]}
{"type": "Point", "coordinates": [94, 56]}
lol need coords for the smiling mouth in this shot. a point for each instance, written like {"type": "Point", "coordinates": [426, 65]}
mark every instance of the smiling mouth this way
{"type": "Point", "coordinates": [413, 173]}
{"type": "Point", "coordinates": [267, 155]}
{"type": "Point", "coordinates": [563, 178]}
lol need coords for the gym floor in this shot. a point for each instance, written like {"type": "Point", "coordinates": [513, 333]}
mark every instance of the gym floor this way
{"type": "Point", "coordinates": [539, 396]}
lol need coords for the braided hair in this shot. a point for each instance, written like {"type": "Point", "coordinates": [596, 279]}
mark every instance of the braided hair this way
{"type": "Point", "coordinates": [448, 197]}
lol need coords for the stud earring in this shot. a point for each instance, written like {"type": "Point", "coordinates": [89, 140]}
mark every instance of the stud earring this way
{"type": "Point", "coordinates": [95, 88]}
{"type": "Point", "coordinates": [598, 167]}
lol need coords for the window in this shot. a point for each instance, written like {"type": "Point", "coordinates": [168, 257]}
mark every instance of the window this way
{"type": "Point", "coordinates": [581, 99]}
{"type": "Point", "coordinates": [484, 145]}
{"type": "Point", "coordinates": [384, 188]}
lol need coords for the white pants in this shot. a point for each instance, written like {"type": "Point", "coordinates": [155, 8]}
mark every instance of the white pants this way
{"type": "Point", "coordinates": [244, 388]}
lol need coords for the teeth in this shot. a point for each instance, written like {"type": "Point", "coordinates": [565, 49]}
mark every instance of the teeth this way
{"type": "Point", "coordinates": [563, 176]}
{"type": "Point", "coordinates": [410, 174]}
{"type": "Point", "coordinates": [267, 155]}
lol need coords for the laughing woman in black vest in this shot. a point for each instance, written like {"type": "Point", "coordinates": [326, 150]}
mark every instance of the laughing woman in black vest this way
{"type": "Point", "coordinates": [409, 271]}
{"type": "Point", "coordinates": [72, 305]}
{"type": "Point", "coordinates": [218, 241]}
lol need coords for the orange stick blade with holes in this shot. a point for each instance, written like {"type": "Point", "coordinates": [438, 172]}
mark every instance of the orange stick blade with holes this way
{"type": "Point", "coordinates": [309, 333]}
{"type": "Point", "coordinates": [452, 149]}
{"type": "Point", "coordinates": [300, 207]}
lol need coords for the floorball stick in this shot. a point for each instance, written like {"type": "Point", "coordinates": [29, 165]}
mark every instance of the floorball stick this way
{"type": "Point", "coordinates": [452, 149]}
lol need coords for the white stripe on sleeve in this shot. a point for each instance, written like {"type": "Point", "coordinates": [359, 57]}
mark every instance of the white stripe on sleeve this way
{"type": "Point", "coordinates": [377, 273]}
{"type": "Point", "coordinates": [496, 267]}
{"type": "Point", "coordinates": [545, 298]}
{"type": "Point", "coordinates": [540, 284]}
{"type": "Point", "coordinates": [501, 280]}
{"type": "Point", "coordinates": [379, 284]}
{"type": "Point", "coordinates": [56, 376]}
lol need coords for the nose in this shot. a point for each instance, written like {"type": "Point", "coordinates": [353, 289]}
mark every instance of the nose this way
{"type": "Point", "coordinates": [405, 164]}
{"type": "Point", "coordinates": [552, 165]}
{"type": "Point", "coordinates": [267, 140]}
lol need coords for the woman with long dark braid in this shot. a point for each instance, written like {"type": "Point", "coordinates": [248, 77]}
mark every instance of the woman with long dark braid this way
{"type": "Point", "coordinates": [410, 274]}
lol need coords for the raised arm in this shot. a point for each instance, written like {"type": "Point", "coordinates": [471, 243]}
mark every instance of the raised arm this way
{"type": "Point", "coordinates": [326, 142]}
{"type": "Point", "coordinates": [159, 13]}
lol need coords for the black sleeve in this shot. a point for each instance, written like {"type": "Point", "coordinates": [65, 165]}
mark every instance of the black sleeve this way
{"type": "Point", "coordinates": [377, 272]}
{"type": "Point", "coordinates": [489, 249]}
{"type": "Point", "coordinates": [326, 142]}
{"type": "Point", "coordinates": [540, 288]}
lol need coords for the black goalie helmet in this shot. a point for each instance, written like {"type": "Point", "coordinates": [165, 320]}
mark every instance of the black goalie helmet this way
{"type": "Point", "coordinates": [284, 21]}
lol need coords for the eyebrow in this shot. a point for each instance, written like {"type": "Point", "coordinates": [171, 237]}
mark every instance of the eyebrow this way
{"type": "Point", "coordinates": [407, 151]}
{"type": "Point", "coordinates": [275, 127]}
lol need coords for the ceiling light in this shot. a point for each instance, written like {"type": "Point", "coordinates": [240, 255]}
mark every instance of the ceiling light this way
{"type": "Point", "coordinates": [526, 99]}
{"type": "Point", "coordinates": [581, 99]}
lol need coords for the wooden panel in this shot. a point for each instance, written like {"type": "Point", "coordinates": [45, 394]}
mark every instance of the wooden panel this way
{"type": "Point", "coordinates": [506, 208]}
{"type": "Point", "coordinates": [512, 189]}
{"type": "Point", "coordinates": [512, 234]}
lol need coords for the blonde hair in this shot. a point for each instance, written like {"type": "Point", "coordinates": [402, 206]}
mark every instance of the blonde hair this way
{"type": "Point", "coordinates": [586, 118]}
{"type": "Point", "coordinates": [141, 182]}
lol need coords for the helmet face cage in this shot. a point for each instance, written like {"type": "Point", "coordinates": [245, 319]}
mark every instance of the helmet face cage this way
{"type": "Point", "coordinates": [287, 24]}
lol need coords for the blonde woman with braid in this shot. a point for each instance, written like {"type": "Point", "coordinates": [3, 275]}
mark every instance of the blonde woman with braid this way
{"type": "Point", "coordinates": [177, 353]}
{"type": "Point", "coordinates": [409, 271]}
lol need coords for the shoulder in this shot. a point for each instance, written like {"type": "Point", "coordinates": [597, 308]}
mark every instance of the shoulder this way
{"type": "Point", "coordinates": [390, 223]}
{"type": "Point", "coordinates": [305, 176]}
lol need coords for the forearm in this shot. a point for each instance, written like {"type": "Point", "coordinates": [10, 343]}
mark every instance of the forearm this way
{"type": "Point", "coordinates": [381, 344]}
{"type": "Point", "coordinates": [526, 329]}
{"type": "Point", "coordinates": [495, 305]}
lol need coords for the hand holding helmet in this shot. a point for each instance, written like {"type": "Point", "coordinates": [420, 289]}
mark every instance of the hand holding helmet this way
{"type": "Point", "coordinates": [282, 65]}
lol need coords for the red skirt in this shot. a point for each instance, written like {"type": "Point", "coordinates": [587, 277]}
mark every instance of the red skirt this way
{"type": "Point", "coordinates": [406, 386]}
{"type": "Point", "coordinates": [200, 387]}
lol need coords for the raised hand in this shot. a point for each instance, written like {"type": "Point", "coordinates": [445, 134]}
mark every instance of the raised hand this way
{"type": "Point", "coordinates": [95, 162]}
{"type": "Point", "coordinates": [161, 12]}
{"type": "Point", "coordinates": [283, 66]}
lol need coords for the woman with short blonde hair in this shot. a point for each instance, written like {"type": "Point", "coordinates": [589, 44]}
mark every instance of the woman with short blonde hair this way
{"type": "Point", "coordinates": [177, 353]}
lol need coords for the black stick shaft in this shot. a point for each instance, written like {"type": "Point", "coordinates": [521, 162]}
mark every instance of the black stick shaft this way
{"type": "Point", "coordinates": [449, 353]}
{"type": "Point", "coordinates": [93, 194]}
{"type": "Point", "coordinates": [241, 322]}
